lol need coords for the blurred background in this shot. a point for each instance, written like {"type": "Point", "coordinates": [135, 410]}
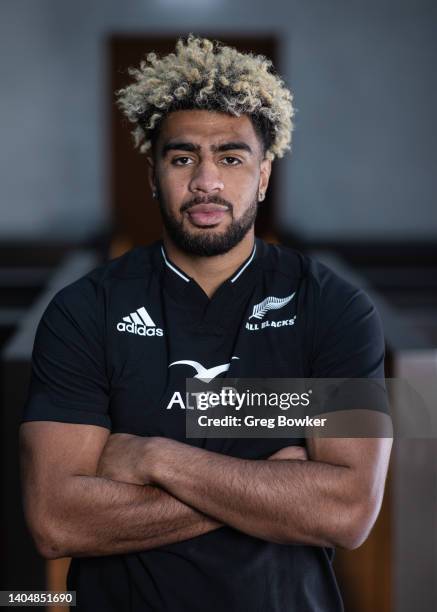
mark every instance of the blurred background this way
{"type": "Point", "coordinates": [358, 191]}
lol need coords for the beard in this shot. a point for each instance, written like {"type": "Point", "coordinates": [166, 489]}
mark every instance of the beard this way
{"type": "Point", "coordinates": [208, 243]}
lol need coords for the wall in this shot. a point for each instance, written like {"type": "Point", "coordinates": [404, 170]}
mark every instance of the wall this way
{"type": "Point", "coordinates": [364, 80]}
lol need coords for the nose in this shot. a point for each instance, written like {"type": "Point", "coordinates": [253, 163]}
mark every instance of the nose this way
{"type": "Point", "coordinates": [206, 178]}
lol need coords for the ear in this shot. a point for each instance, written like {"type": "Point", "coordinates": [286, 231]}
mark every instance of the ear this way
{"type": "Point", "coordinates": [265, 170]}
{"type": "Point", "coordinates": [151, 173]}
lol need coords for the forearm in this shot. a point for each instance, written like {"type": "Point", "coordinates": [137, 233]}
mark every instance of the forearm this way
{"type": "Point", "coordinates": [282, 501]}
{"type": "Point", "coordinates": [95, 516]}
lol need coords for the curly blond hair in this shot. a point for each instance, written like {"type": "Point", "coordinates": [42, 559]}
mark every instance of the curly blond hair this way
{"type": "Point", "coordinates": [205, 74]}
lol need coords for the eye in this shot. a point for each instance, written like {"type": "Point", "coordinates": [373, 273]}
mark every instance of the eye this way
{"type": "Point", "coordinates": [181, 161]}
{"type": "Point", "coordinates": [230, 160]}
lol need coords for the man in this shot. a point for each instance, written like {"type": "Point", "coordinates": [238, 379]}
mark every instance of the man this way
{"type": "Point", "coordinates": [153, 520]}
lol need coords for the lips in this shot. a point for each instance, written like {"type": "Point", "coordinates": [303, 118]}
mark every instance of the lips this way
{"type": "Point", "coordinates": [206, 214]}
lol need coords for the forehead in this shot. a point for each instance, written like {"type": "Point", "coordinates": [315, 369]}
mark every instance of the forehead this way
{"type": "Point", "coordinates": [206, 128]}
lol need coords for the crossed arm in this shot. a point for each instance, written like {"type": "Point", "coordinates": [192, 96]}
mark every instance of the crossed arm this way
{"type": "Point", "coordinates": [87, 493]}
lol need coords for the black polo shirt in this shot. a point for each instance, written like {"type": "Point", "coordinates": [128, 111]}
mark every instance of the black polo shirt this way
{"type": "Point", "coordinates": [114, 349]}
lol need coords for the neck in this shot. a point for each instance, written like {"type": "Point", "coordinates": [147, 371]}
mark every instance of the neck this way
{"type": "Point", "coordinates": [210, 272]}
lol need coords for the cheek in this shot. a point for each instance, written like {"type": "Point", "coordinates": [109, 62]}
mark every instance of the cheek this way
{"type": "Point", "coordinates": [174, 189]}
{"type": "Point", "coordinates": [246, 175]}
{"type": "Point", "coordinates": [242, 187]}
{"type": "Point", "coordinates": [173, 195]}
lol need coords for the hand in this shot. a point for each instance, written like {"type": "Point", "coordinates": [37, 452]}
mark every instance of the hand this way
{"type": "Point", "coordinates": [127, 458]}
{"type": "Point", "coordinates": [290, 452]}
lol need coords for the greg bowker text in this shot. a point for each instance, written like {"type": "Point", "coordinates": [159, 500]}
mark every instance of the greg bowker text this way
{"type": "Point", "coordinates": [251, 421]}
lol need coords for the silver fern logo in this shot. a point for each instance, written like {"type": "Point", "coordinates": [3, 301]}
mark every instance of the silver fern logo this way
{"type": "Point", "coordinates": [270, 303]}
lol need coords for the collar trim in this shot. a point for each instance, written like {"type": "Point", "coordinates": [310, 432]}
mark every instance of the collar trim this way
{"type": "Point", "coordinates": [172, 267]}
{"type": "Point", "coordinates": [187, 279]}
{"type": "Point", "coordinates": [233, 279]}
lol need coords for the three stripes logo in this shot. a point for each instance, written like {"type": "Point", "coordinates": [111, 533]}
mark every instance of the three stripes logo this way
{"type": "Point", "coordinates": [140, 323]}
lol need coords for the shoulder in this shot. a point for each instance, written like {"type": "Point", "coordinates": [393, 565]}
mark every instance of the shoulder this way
{"type": "Point", "coordinates": [320, 281]}
{"type": "Point", "coordinates": [281, 260]}
{"type": "Point", "coordinates": [138, 263]}
{"type": "Point", "coordinates": [332, 291]}
{"type": "Point", "coordinates": [334, 311]}
{"type": "Point", "coordinates": [338, 306]}
{"type": "Point", "coordinates": [82, 303]}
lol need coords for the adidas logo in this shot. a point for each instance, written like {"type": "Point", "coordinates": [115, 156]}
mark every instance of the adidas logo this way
{"type": "Point", "coordinates": [140, 323]}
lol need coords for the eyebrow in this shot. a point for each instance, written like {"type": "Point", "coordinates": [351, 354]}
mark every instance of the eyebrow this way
{"type": "Point", "coordinates": [193, 148]}
{"type": "Point", "coordinates": [232, 146]}
{"type": "Point", "coordinates": [179, 146]}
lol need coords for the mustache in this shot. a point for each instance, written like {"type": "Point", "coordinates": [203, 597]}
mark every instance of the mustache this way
{"type": "Point", "coordinates": [212, 199]}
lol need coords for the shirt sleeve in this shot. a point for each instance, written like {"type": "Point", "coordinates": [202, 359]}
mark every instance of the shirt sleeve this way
{"type": "Point", "coordinates": [68, 380]}
{"type": "Point", "coordinates": [348, 344]}
{"type": "Point", "coordinates": [349, 339]}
